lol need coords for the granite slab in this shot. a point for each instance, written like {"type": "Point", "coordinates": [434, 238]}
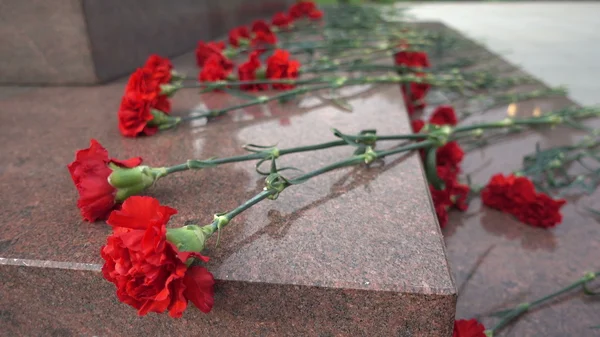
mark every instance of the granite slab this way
{"type": "Point", "coordinates": [356, 252]}
{"type": "Point", "coordinates": [499, 262]}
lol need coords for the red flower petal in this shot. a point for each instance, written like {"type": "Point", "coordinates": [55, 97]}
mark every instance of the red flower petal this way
{"type": "Point", "coordinates": [138, 212]}
{"type": "Point", "coordinates": [444, 115]}
{"type": "Point", "coordinates": [468, 328]}
{"type": "Point", "coordinates": [199, 289]}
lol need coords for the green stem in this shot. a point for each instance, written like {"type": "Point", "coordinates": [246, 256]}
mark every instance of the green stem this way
{"type": "Point", "coordinates": [508, 122]}
{"type": "Point", "coordinates": [354, 160]}
{"type": "Point", "coordinates": [359, 159]}
{"type": "Point", "coordinates": [524, 307]}
{"type": "Point", "coordinates": [249, 203]}
{"type": "Point", "coordinates": [274, 152]}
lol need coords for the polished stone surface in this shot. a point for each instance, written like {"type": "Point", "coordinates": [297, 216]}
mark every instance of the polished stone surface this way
{"type": "Point", "coordinates": [354, 252]}
{"type": "Point", "coordinates": [89, 41]}
{"type": "Point", "coordinates": [556, 41]}
{"type": "Point", "coordinates": [499, 262]}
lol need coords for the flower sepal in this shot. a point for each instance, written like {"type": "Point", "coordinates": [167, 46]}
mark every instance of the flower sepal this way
{"type": "Point", "coordinates": [190, 238]}
{"type": "Point", "coordinates": [169, 89]}
{"type": "Point", "coordinates": [132, 181]}
{"type": "Point", "coordinates": [162, 120]}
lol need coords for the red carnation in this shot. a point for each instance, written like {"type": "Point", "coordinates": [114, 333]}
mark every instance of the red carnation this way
{"type": "Point", "coordinates": [281, 20]}
{"type": "Point", "coordinates": [204, 51]}
{"type": "Point", "coordinates": [417, 125]}
{"type": "Point", "coordinates": [279, 66]}
{"type": "Point", "coordinates": [468, 328]}
{"type": "Point", "coordinates": [134, 115]}
{"type": "Point", "coordinates": [237, 34]}
{"type": "Point", "coordinates": [146, 85]}
{"type": "Point", "coordinates": [160, 67]}
{"type": "Point", "coordinates": [305, 9]}
{"type": "Point", "coordinates": [454, 194]}
{"type": "Point", "coordinates": [315, 14]}
{"type": "Point", "coordinates": [441, 212]}
{"type": "Point", "coordinates": [151, 275]}
{"type": "Point", "coordinates": [542, 212]}
{"type": "Point", "coordinates": [247, 72]}
{"type": "Point", "coordinates": [450, 155]}
{"type": "Point", "coordinates": [508, 194]}
{"type": "Point", "coordinates": [412, 59]}
{"type": "Point", "coordinates": [262, 34]}
{"type": "Point", "coordinates": [444, 115]}
{"type": "Point", "coordinates": [414, 95]}
{"type": "Point", "coordinates": [213, 70]}
{"type": "Point", "coordinates": [90, 174]}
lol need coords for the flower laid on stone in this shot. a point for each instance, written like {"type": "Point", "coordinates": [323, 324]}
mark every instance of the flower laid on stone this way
{"type": "Point", "coordinates": [262, 35]}
{"type": "Point", "coordinates": [160, 270]}
{"type": "Point", "coordinates": [468, 328]}
{"type": "Point", "coordinates": [149, 270]}
{"type": "Point", "coordinates": [517, 196]}
{"type": "Point", "coordinates": [281, 20]}
{"type": "Point", "coordinates": [146, 82]}
{"type": "Point", "coordinates": [145, 106]}
{"type": "Point", "coordinates": [248, 70]}
{"type": "Point", "coordinates": [214, 70]}
{"type": "Point", "coordinates": [305, 9]}
{"type": "Point", "coordinates": [280, 66]}
{"type": "Point", "coordinates": [91, 171]}
{"type": "Point", "coordinates": [238, 36]}
{"type": "Point", "coordinates": [205, 50]}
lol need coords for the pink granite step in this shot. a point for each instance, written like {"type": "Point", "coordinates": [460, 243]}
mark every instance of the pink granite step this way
{"type": "Point", "coordinates": [355, 252]}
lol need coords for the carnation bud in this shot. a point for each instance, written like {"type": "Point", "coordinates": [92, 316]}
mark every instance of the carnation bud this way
{"type": "Point", "coordinates": [132, 181]}
{"type": "Point", "coordinates": [190, 238]}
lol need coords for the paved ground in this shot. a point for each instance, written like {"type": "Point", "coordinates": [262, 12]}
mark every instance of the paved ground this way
{"type": "Point", "coordinates": [559, 42]}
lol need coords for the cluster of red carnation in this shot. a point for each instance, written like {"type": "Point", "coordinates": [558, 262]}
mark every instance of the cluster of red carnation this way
{"type": "Point", "coordinates": [215, 66]}
{"type": "Point", "coordinates": [514, 195]}
{"type": "Point", "coordinates": [517, 196]}
{"type": "Point", "coordinates": [413, 93]}
{"type": "Point", "coordinates": [448, 159]}
{"type": "Point", "coordinates": [143, 93]}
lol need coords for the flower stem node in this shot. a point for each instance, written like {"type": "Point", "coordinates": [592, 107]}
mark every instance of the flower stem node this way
{"type": "Point", "coordinates": [273, 153]}
{"type": "Point", "coordinates": [589, 276]}
{"type": "Point", "coordinates": [262, 99]}
{"type": "Point", "coordinates": [477, 133]}
{"type": "Point", "coordinates": [276, 183]}
{"type": "Point", "coordinates": [132, 181]}
{"type": "Point", "coordinates": [369, 155]}
{"type": "Point", "coordinates": [221, 221]}
{"type": "Point", "coordinates": [506, 122]}
{"type": "Point", "coordinates": [190, 238]}
{"type": "Point", "coordinates": [339, 82]}
{"type": "Point", "coordinates": [439, 134]}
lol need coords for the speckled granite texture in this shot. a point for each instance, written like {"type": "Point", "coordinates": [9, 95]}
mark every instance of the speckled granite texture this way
{"type": "Point", "coordinates": [90, 41]}
{"type": "Point", "coordinates": [353, 253]}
